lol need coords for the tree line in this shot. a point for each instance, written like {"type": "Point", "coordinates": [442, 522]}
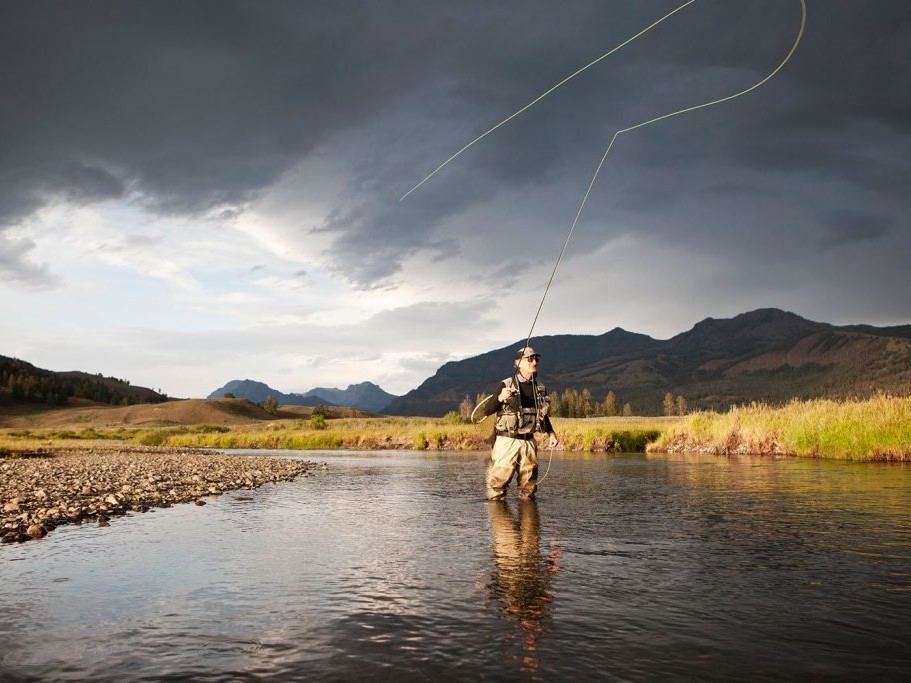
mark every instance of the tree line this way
{"type": "Point", "coordinates": [21, 382]}
{"type": "Point", "coordinates": [575, 403]}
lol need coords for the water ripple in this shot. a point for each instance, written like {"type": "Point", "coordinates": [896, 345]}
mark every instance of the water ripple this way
{"type": "Point", "coordinates": [391, 566]}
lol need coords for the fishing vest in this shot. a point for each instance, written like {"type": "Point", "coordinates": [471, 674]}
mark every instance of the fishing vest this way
{"type": "Point", "coordinates": [515, 419]}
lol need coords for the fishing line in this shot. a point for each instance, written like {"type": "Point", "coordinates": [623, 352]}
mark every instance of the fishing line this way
{"type": "Point", "coordinates": [636, 126]}
{"type": "Point", "coordinates": [642, 124]}
{"type": "Point", "coordinates": [545, 94]}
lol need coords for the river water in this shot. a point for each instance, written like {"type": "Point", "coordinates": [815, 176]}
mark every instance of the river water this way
{"type": "Point", "coordinates": [391, 566]}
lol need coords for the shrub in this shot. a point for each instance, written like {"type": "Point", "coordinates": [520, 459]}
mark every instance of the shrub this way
{"type": "Point", "coordinates": [318, 422]}
{"type": "Point", "coordinates": [593, 437]}
{"type": "Point", "coordinates": [209, 429]}
{"type": "Point", "coordinates": [151, 438]}
{"type": "Point", "coordinates": [634, 441]}
{"type": "Point", "coordinates": [453, 417]}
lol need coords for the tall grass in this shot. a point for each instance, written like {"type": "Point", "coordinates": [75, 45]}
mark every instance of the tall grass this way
{"type": "Point", "coordinates": [877, 428]}
{"type": "Point", "coordinates": [873, 429]}
{"type": "Point", "coordinates": [628, 434]}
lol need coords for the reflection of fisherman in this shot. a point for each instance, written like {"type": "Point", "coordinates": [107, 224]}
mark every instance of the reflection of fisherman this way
{"type": "Point", "coordinates": [523, 578]}
{"type": "Point", "coordinates": [521, 405]}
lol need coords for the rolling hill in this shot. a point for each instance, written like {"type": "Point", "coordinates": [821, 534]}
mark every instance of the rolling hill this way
{"type": "Point", "coordinates": [22, 382]}
{"type": "Point", "coordinates": [228, 412]}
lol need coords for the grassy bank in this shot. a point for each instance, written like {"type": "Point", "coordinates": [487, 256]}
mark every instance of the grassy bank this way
{"type": "Point", "coordinates": [592, 434]}
{"type": "Point", "coordinates": [873, 429]}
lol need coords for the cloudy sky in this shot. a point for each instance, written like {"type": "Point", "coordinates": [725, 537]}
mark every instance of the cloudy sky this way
{"type": "Point", "coordinates": [194, 192]}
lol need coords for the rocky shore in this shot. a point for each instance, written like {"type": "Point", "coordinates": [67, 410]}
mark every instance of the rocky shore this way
{"type": "Point", "coordinates": [38, 494]}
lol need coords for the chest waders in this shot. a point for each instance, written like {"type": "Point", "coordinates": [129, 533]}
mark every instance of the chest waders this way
{"type": "Point", "coordinates": [521, 413]}
{"type": "Point", "coordinates": [521, 423]}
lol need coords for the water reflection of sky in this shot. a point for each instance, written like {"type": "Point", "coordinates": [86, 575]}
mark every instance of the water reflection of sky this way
{"type": "Point", "coordinates": [393, 565]}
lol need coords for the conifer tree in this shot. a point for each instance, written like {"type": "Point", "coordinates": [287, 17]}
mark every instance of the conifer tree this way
{"type": "Point", "coordinates": [586, 403]}
{"type": "Point", "coordinates": [610, 404]}
{"type": "Point", "coordinates": [555, 404]}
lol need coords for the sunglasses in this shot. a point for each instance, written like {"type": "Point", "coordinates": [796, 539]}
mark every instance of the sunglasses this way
{"type": "Point", "coordinates": [532, 359]}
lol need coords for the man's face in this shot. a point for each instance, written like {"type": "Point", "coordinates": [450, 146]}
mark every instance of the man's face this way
{"type": "Point", "coordinates": [528, 366]}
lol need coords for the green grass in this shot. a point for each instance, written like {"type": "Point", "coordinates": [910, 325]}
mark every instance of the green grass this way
{"type": "Point", "coordinates": [874, 429]}
{"type": "Point", "coordinates": [878, 428]}
{"type": "Point", "coordinates": [447, 433]}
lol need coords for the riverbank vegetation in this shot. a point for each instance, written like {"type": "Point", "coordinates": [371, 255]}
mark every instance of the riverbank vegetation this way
{"type": "Point", "coordinates": [447, 433]}
{"type": "Point", "coordinates": [877, 428]}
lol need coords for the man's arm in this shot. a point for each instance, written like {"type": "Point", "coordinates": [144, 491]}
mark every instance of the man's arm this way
{"type": "Point", "coordinates": [553, 441]}
{"type": "Point", "coordinates": [492, 404]}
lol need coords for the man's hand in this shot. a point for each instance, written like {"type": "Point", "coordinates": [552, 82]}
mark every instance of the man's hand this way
{"type": "Point", "coordinates": [553, 441]}
{"type": "Point", "coordinates": [505, 394]}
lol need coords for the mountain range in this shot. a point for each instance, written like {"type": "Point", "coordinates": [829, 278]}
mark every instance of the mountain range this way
{"type": "Point", "coordinates": [764, 355]}
{"type": "Point", "coordinates": [366, 395]}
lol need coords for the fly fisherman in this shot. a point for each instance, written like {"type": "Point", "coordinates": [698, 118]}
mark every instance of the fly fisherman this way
{"type": "Point", "coordinates": [521, 406]}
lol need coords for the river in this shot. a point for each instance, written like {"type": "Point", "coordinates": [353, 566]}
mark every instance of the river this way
{"type": "Point", "coordinates": [391, 566]}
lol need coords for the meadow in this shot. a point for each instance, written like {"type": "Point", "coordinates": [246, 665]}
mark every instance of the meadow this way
{"type": "Point", "coordinates": [416, 433]}
{"type": "Point", "coordinates": [877, 428]}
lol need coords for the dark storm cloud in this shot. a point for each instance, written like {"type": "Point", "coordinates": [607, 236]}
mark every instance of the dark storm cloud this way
{"type": "Point", "coordinates": [847, 227]}
{"type": "Point", "coordinates": [198, 103]}
{"type": "Point", "coordinates": [202, 104]}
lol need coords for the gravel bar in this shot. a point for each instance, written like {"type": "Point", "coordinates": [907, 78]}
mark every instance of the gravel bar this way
{"type": "Point", "coordinates": [38, 494]}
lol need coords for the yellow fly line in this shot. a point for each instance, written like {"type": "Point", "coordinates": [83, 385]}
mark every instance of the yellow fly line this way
{"type": "Point", "coordinates": [545, 94]}
{"type": "Point", "coordinates": [641, 124]}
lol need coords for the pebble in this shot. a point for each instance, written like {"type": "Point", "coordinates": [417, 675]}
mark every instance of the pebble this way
{"type": "Point", "coordinates": [64, 487]}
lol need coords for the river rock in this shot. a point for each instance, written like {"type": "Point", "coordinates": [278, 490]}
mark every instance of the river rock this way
{"type": "Point", "coordinates": [69, 486]}
{"type": "Point", "coordinates": [36, 531]}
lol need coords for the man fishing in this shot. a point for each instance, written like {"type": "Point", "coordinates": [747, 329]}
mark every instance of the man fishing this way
{"type": "Point", "coordinates": [521, 405]}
